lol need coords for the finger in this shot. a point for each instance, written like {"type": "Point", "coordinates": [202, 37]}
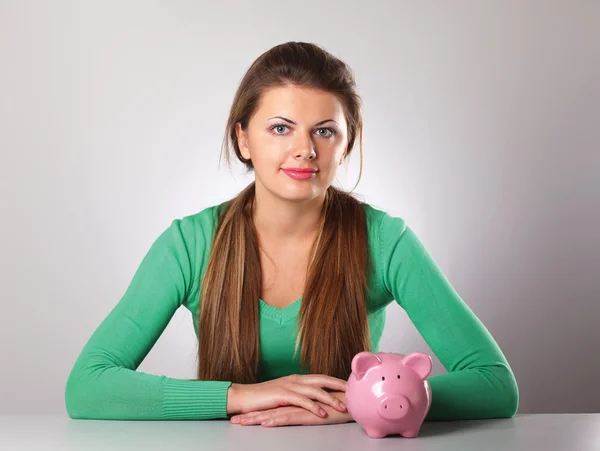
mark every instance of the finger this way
{"type": "Point", "coordinates": [294, 398]}
{"type": "Point", "coordinates": [258, 419]}
{"type": "Point", "coordinates": [242, 416]}
{"type": "Point", "coordinates": [296, 417]}
{"type": "Point", "coordinates": [323, 381]}
{"type": "Point", "coordinates": [319, 395]}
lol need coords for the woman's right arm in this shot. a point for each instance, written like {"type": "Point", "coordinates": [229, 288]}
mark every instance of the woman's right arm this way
{"type": "Point", "coordinates": [104, 383]}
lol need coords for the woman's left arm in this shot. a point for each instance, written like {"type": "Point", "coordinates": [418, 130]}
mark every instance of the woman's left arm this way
{"type": "Point", "coordinates": [480, 382]}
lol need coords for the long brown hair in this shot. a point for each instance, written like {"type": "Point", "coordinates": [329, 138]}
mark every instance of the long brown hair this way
{"type": "Point", "coordinates": [333, 316]}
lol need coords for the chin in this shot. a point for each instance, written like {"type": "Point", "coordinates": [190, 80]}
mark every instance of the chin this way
{"type": "Point", "coordinates": [297, 196]}
{"type": "Point", "coordinates": [297, 193]}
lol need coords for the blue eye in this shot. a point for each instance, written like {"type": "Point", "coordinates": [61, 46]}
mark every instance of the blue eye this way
{"type": "Point", "coordinates": [279, 129]}
{"type": "Point", "coordinates": [330, 132]}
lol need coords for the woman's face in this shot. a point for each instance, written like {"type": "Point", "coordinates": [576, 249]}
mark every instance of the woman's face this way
{"type": "Point", "coordinates": [296, 140]}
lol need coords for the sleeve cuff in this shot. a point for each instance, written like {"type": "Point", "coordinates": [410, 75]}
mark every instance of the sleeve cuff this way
{"type": "Point", "coordinates": [195, 400]}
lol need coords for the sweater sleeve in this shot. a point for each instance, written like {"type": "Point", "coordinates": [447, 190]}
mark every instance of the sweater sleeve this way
{"type": "Point", "coordinates": [479, 382]}
{"type": "Point", "coordinates": [104, 383]}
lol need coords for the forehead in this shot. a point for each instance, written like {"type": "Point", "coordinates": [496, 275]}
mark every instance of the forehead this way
{"type": "Point", "coordinates": [300, 103]}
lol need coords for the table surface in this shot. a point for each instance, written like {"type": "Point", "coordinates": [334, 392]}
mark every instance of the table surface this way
{"type": "Point", "coordinates": [553, 432]}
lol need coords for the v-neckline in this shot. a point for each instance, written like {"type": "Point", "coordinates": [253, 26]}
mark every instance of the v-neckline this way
{"type": "Point", "coordinates": [280, 315]}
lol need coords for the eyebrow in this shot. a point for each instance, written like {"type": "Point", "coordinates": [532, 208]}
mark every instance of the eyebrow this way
{"type": "Point", "coordinates": [292, 122]}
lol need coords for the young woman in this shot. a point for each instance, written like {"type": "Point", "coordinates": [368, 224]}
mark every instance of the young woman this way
{"type": "Point", "coordinates": [287, 281]}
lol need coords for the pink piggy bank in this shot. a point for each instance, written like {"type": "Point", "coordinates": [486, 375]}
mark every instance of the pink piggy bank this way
{"type": "Point", "coordinates": [388, 393]}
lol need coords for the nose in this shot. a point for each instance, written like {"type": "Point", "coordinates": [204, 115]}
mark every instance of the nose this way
{"type": "Point", "coordinates": [305, 149]}
{"type": "Point", "coordinates": [307, 153]}
{"type": "Point", "coordinates": [394, 407]}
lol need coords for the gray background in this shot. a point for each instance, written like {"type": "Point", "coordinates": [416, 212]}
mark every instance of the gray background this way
{"type": "Point", "coordinates": [482, 131]}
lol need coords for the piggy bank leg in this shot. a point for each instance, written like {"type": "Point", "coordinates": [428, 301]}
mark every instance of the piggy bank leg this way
{"type": "Point", "coordinates": [411, 433]}
{"type": "Point", "coordinates": [375, 433]}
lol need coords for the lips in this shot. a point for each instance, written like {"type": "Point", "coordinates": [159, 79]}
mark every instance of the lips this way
{"type": "Point", "coordinates": [300, 173]}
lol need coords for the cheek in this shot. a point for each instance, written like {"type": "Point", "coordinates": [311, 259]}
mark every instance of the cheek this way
{"type": "Point", "coordinates": [332, 157]}
{"type": "Point", "coordinates": [337, 148]}
{"type": "Point", "coordinates": [267, 163]}
{"type": "Point", "coordinates": [264, 151]}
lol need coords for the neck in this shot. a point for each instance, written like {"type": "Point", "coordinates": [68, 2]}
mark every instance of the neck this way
{"type": "Point", "coordinates": [282, 220]}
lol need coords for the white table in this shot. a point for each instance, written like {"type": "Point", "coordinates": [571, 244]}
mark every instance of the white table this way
{"type": "Point", "coordinates": [551, 432]}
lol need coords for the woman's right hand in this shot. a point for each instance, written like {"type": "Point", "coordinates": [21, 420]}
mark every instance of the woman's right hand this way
{"type": "Point", "coordinates": [295, 390]}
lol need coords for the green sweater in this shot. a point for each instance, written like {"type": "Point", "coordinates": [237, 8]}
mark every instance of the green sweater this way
{"type": "Point", "coordinates": [104, 383]}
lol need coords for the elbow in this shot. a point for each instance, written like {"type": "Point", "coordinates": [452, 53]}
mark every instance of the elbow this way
{"type": "Point", "coordinates": [75, 403]}
{"type": "Point", "coordinates": [512, 398]}
{"type": "Point", "coordinates": [73, 399]}
{"type": "Point", "coordinates": [508, 399]}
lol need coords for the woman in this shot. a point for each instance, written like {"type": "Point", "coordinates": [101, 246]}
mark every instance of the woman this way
{"type": "Point", "coordinates": [287, 281]}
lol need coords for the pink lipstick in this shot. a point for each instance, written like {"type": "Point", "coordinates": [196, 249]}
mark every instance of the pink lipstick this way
{"type": "Point", "coordinates": [300, 173]}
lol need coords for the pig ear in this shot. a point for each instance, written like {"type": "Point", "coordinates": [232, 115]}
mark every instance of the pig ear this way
{"type": "Point", "coordinates": [362, 362]}
{"type": "Point", "coordinates": [420, 363]}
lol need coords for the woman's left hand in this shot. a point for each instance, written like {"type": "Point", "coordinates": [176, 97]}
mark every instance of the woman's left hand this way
{"type": "Point", "coordinates": [293, 416]}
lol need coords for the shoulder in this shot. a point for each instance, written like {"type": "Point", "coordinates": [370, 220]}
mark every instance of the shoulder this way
{"type": "Point", "coordinates": [381, 224]}
{"type": "Point", "coordinates": [385, 235]}
{"type": "Point", "coordinates": [190, 236]}
{"type": "Point", "coordinates": [198, 225]}
{"type": "Point", "coordinates": [189, 240]}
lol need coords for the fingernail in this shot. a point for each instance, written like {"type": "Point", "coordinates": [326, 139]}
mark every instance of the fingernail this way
{"type": "Point", "coordinates": [322, 412]}
{"type": "Point", "coordinates": [267, 423]}
{"type": "Point", "coordinates": [342, 405]}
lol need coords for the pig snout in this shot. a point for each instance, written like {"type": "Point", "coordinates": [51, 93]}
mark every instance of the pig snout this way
{"type": "Point", "coordinates": [394, 407]}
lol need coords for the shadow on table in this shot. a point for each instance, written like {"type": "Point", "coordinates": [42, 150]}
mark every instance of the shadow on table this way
{"type": "Point", "coordinates": [146, 435]}
{"type": "Point", "coordinates": [435, 428]}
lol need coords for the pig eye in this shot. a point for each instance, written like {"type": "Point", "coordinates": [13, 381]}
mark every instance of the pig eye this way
{"type": "Point", "coordinates": [383, 378]}
{"type": "Point", "coordinates": [398, 376]}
